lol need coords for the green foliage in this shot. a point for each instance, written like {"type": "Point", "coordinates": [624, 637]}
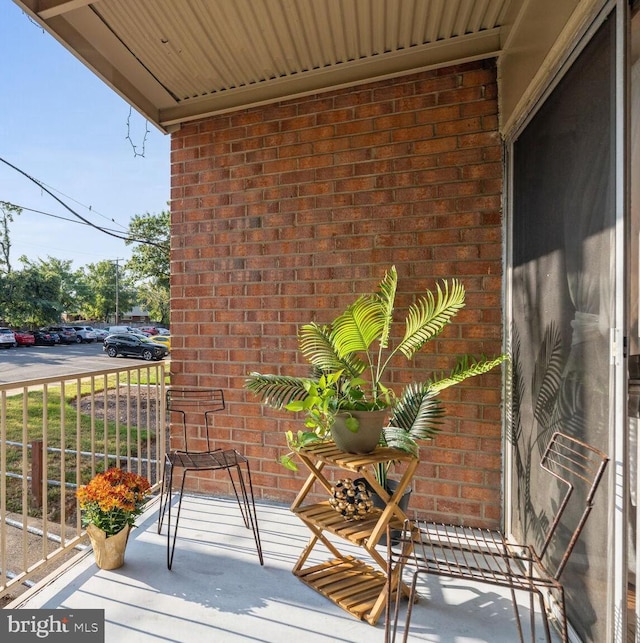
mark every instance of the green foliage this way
{"type": "Point", "coordinates": [102, 276]}
{"type": "Point", "coordinates": [7, 212]}
{"type": "Point", "coordinates": [150, 260]}
{"type": "Point", "coordinates": [350, 358]}
{"type": "Point", "coordinates": [149, 263]}
{"type": "Point", "coordinates": [34, 296]}
{"type": "Point", "coordinates": [155, 299]}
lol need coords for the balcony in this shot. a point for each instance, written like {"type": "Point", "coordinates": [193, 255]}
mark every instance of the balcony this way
{"type": "Point", "coordinates": [216, 589]}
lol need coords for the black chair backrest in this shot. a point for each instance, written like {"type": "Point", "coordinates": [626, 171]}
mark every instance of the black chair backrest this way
{"type": "Point", "coordinates": [574, 463]}
{"type": "Point", "coordinates": [188, 401]}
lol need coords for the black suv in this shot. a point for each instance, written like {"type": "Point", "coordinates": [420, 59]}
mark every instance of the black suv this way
{"type": "Point", "coordinates": [67, 334]}
{"type": "Point", "coordinates": [136, 345]}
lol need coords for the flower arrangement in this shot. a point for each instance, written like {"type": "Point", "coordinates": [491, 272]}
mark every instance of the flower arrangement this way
{"type": "Point", "coordinates": [113, 499]}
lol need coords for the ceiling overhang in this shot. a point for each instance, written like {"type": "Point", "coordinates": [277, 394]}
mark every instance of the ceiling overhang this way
{"type": "Point", "coordinates": [177, 61]}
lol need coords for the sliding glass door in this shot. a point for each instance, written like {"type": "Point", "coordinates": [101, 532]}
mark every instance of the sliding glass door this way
{"type": "Point", "coordinates": [565, 290]}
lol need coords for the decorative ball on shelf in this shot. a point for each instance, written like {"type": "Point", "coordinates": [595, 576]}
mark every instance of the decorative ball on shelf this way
{"type": "Point", "coordinates": [351, 499]}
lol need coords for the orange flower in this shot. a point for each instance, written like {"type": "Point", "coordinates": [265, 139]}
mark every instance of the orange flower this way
{"type": "Point", "coordinates": [113, 499]}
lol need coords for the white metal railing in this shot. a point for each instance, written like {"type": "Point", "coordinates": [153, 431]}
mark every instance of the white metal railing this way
{"type": "Point", "coordinates": [55, 434]}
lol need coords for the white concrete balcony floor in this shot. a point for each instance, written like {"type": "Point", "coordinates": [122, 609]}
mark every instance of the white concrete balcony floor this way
{"type": "Point", "coordinates": [217, 590]}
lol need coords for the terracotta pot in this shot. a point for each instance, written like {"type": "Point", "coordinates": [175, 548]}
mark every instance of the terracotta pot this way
{"type": "Point", "coordinates": [108, 550]}
{"type": "Point", "coordinates": [366, 438]}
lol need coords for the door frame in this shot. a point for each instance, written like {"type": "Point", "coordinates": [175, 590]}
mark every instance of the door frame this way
{"type": "Point", "coordinates": [618, 444]}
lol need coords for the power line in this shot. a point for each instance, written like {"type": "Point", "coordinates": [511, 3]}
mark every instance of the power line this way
{"type": "Point", "coordinates": [79, 216]}
{"type": "Point", "coordinates": [49, 214]}
{"type": "Point", "coordinates": [88, 207]}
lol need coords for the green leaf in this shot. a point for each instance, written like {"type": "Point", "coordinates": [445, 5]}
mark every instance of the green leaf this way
{"type": "Point", "coordinates": [317, 345]}
{"type": "Point", "coordinates": [429, 315]}
{"type": "Point", "coordinates": [308, 437]}
{"type": "Point", "coordinates": [277, 391]}
{"type": "Point", "coordinates": [352, 424]}
{"type": "Point", "coordinates": [288, 463]}
{"type": "Point", "coordinates": [466, 367]}
{"type": "Point", "coordinates": [359, 326]}
{"type": "Point", "coordinates": [387, 296]}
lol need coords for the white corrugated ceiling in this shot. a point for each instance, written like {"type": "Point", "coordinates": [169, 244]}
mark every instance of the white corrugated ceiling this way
{"type": "Point", "coordinates": [176, 60]}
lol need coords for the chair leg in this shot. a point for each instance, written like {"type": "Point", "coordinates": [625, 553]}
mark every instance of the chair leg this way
{"type": "Point", "coordinates": [172, 545]}
{"type": "Point", "coordinates": [412, 598]}
{"type": "Point", "coordinates": [564, 634]}
{"type": "Point", "coordinates": [247, 506]}
{"type": "Point", "coordinates": [563, 616]}
{"type": "Point", "coordinates": [242, 504]}
{"type": "Point", "coordinates": [545, 618]}
{"type": "Point", "coordinates": [516, 613]}
{"type": "Point", "coordinates": [394, 576]}
{"type": "Point", "coordinates": [165, 493]}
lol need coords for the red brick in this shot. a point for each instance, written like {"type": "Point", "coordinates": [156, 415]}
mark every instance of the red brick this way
{"type": "Point", "coordinates": [283, 214]}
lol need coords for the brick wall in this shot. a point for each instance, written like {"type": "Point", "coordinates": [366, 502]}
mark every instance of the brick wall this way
{"type": "Point", "coordinates": [283, 214]}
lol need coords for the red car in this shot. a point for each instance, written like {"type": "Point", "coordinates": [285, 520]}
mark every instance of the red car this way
{"type": "Point", "coordinates": [149, 330]}
{"type": "Point", "coordinates": [24, 338]}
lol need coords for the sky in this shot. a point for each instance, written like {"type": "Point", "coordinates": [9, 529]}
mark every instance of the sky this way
{"type": "Point", "coordinates": [62, 125]}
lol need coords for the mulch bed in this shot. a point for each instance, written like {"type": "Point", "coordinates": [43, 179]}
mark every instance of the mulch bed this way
{"type": "Point", "coordinates": [116, 405]}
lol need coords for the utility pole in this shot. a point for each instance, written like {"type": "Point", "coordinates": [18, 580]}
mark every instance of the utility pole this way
{"type": "Point", "coordinates": [117, 289]}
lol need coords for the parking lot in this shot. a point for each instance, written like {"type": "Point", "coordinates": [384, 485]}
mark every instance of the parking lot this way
{"type": "Point", "coordinates": [25, 363]}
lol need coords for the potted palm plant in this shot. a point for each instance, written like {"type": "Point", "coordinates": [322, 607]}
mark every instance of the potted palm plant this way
{"type": "Point", "coordinates": [349, 360]}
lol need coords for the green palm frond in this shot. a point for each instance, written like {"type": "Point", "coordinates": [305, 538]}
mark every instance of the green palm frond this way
{"type": "Point", "coordinates": [317, 345]}
{"type": "Point", "coordinates": [398, 438]}
{"type": "Point", "coordinates": [466, 367]}
{"type": "Point", "coordinates": [429, 315]}
{"type": "Point", "coordinates": [277, 391]}
{"type": "Point", "coordinates": [359, 325]}
{"type": "Point", "coordinates": [387, 297]}
{"type": "Point", "coordinates": [416, 415]}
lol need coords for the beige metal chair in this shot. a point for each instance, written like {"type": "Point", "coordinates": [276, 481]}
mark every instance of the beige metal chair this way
{"type": "Point", "coordinates": [489, 557]}
{"type": "Point", "coordinates": [198, 405]}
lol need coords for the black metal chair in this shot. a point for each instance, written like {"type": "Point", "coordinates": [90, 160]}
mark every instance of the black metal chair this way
{"type": "Point", "coordinates": [488, 556]}
{"type": "Point", "coordinates": [203, 457]}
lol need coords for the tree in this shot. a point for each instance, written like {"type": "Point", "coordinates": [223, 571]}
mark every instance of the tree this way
{"type": "Point", "coordinates": [150, 257]}
{"type": "Point", "coordinates": [74, 289]}
{"type": "Point", "coordinates": [7, 212]}
{"type": "Point", "coordinates": [102, 277]}
{"type": "Point", "coordinates": [149, 263]}
{"type": "Point", "coordinates": [34, 297]}
{"type": "Point", "coordinates": [155, 300]}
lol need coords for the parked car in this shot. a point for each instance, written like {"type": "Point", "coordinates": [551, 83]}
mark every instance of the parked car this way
{"type": "Point", "coordinates": [149, 330]}
{"type": "Point", "coordinates": [165, 340]}
{"type": "Point", "coordinates": [129, 344]}
{"type": "Point", "coordinates": [85, 334]}
{"type": "Point", "coordinates": [101, 334]}
{"type": "Point", "coordinates": [163, 331]}
{"type": "Point", "coordinates": [24, 338]}
{"type": "Point", "coordinates": [43, 338]}
{"type": "Point", "coordinates": [7, 338]}
{"type": "Point", "coordinates": [67, 334]}
{"type": "Point", "coordinates": [121, 329]}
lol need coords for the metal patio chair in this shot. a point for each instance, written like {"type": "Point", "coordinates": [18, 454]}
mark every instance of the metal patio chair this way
{"type": "Point", "coordinates": [197, 406]}
{"type": "Point", "coordinates": [489, 557]}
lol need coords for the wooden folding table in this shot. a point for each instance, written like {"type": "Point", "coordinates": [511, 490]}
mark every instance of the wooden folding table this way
{"type": "Point", "coordinates": [357, 587]}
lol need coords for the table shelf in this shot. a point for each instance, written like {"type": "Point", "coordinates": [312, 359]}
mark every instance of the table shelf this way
{"type": "Point", "coordinates": [355, 586]}
{"type": "Point", "coordinates": [348, 582]}
{"type": "Point", "coordinates": [324, 516]}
